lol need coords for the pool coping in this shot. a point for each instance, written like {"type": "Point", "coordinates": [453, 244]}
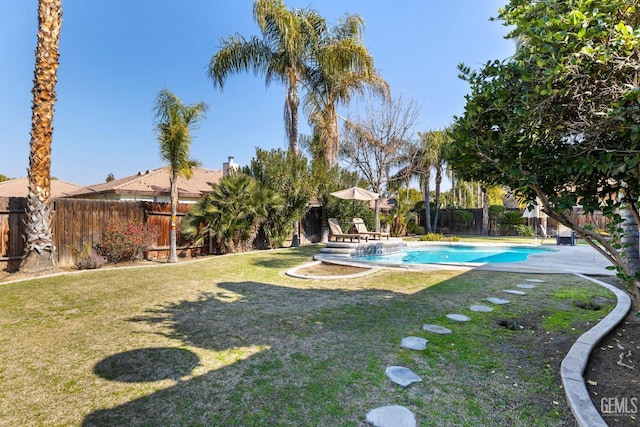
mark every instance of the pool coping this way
{"type": "Point", "coordinates": [575, 361]}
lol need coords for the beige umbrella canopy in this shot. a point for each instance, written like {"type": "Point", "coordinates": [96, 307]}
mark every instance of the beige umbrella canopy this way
{"type": "Point", "coordinates": [534, 210]}
{"type": "Point", "coordinates": [355, 193]}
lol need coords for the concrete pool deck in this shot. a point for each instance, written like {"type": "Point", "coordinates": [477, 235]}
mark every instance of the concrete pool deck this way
{"type": "Point", "coordinates": [579, 259]}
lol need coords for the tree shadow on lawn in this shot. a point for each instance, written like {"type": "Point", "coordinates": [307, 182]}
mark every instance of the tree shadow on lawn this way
{"type": "Point", "coordinates": [295, 335]}
{"type": "Point", "coordinates": [281, 258]}
{"type": "Point", "coordinates": [281, 322]}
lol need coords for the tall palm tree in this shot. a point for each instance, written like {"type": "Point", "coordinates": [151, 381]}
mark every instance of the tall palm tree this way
{"type": "Point", "coordinates": [341, 68]}
{"type": "Point", "coordinates": [282, 54]}
{"type": "Point", "coordinates": [173, 126]}
{"type": "Point", "coordinates": [440, 166]}
{"type": "Point", "coordinates": [40, 250]}
{"type": "Point", "coordinates": [419, 161]}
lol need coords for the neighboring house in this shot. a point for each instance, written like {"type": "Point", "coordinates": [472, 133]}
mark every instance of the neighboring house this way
{"type": "Point", "coordinates": [153, 186]}
{"type": "Point", "coordinates": [19, 187]}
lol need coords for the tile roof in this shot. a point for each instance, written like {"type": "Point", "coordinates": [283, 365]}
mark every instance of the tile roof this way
{"type": "Point", "coordinates": [19, 187]}
{"type": "Point", "coordinates": [155, 183]}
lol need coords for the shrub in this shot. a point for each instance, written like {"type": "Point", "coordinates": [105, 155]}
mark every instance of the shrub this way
{"type": "Point", "coordinates": [496, 210]}
{"type": "Point", "coordinates": [88, 259]}
{"type": "Point", "coordinates": [431, 237]}
{"type": "Point", "coordinates": [454, 238]}
{"type": "Point", "coordinates": [462, 219]}
{"type": "Point", "coordinates": [412, 228]}
{"type": "Point", "coordinates": [510, 220]}
{"type": "Point", "coordinates": [525, 230]}
{"type": "Point", "coordinates": [126, 242]}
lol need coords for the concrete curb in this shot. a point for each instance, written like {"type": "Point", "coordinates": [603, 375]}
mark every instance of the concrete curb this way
{"type": "Point", "coordinates": [575, 362]}
{"type": "Point", "coordinates": [293, 272]}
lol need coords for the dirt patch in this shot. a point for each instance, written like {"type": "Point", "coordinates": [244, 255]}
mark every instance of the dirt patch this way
{"type": "Point", "coordinates": [613, 386]}
{"type": "Point", "coordinates": [324, 269]}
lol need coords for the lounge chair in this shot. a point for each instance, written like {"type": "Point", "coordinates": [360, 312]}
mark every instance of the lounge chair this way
{"type": "Point", "coordinates": [336, 232]}
{"type": "Point", "coordinates": [361, 228]}
{"type": "Point", "coordinates": [566, 236]}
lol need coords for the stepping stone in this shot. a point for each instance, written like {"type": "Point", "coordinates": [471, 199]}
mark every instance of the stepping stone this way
{"type": "Point", "coordinates": [458, 317]}
{"type": "Point", "coordinates": [535, 280]}
{"type": "Point", "coordinates": [525, 286]}
{"type": "Point", "coordinates": [481, 308]}
{"type": "Point", "coordinates": [402, 376]}
{"type": "Point", "coordinates": [499, 301]}
{"type": "Point", "coordinates": [514, 292]}
{"type": "Point", "coordinates": [437, 329]}
{"type": "Point", "coordinates": [391, 416]}
{"type": "Point", "coordinates": [414, 343]}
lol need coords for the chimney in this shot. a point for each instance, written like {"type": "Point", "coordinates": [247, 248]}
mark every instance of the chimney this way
{"type": "Point", "coordinates": [229, 167]}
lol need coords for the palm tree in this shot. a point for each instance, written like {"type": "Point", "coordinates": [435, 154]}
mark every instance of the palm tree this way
{"type": "Point", "coordinates": [419, 160]}
{"type": "Point", "coordinates": [173, 126]}
{"type": "Point", "coordinates": [40, 250]}
{"type": "Point", "coordinates": [341, 67]}
{"type": "Point", "coordinates": [232, 213]}
{"type": "Point", "coordinates": [440, 165]}
{"type": "Point", "coordinates": [281, 54]}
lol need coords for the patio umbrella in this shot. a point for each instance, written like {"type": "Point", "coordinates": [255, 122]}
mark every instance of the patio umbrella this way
{"type": "Point", "coordinates": [358, 193]}
{"type": "Point", "coordinates": [355, 193]}
{"type": "Point", "coordinates": [534, 211]}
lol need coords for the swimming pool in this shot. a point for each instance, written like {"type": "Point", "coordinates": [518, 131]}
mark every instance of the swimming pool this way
{"type": "Point", "coordinates": [456, 254]}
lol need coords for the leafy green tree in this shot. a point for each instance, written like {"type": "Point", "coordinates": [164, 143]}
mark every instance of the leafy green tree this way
{"type": "Point", "coordinates": [4, 178]}
{"type": "Point", "coordinates": [174, 122]}
{"type": "Point", "coordinates": [288, 175]}
{"type": "Point", "coordinates": [281, 54]}
{"type": "Point", "coordinates": [232, 213]}
{"type": "Point", "coordinates": [558, 121]}
{"type": "Point", "coordinates": [40, 250]}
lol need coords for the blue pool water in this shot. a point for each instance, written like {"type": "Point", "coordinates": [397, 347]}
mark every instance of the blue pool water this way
{"type": "Point", "coordinates": [456, 254]}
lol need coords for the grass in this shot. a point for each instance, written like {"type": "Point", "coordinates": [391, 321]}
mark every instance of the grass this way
{"type": "Point", "coordinates": [232, 341]}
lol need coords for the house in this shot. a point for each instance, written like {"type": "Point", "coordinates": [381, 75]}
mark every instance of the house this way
{"type": "Point", "coordinates": [153, 186]}
{"type": "Point", "coordinates": [19, 187]}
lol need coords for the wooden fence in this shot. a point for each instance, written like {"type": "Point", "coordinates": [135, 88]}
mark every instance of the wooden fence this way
{"type": "Point", "coordinates": [12, 217]}
{"type": "Point", "coordinates": [79, 221]}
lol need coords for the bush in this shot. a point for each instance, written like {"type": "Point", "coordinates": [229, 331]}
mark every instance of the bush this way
{"type": "Point", "coordinates": [510, 220]}
{"type": "Point", "coordinates": [431, 237]}
{"type": "Point", "coordinates": [454, 238]}
{"type": "Point", "coordinates": [495, 211]}
{"type": "Point", "coordinates": [462, 219]}
{"type": "Point", "coordinates": [525, 230]}
{"type": "Point", "coordinates": [88, 259]}
{"type": "Point", "coordinates": [126, 242]}
{"type": "Point", "coordinates": [412, 228]}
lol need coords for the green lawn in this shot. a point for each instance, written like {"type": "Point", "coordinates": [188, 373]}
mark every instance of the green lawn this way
{"type": "Point", "coordinates": [232, 341]}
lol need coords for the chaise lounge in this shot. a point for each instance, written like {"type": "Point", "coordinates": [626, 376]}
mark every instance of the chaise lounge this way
{"type": "Point", "coordinates": [336, 233]}
{"type": "Point", "coordinates": [361, 228]}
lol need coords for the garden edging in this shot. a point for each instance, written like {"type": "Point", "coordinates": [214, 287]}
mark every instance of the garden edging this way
{"type": "Point", "coordinates": [575, 362]}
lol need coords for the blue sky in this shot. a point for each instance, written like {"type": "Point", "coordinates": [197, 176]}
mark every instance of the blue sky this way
{"type": "Point", "coordinates": [116, 55]}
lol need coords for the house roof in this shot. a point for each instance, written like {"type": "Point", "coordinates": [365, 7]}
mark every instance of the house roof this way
{"type": "Point", "coordinates": [19, 187]}
{"type": "Point", "coordinates": [156, 183]}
